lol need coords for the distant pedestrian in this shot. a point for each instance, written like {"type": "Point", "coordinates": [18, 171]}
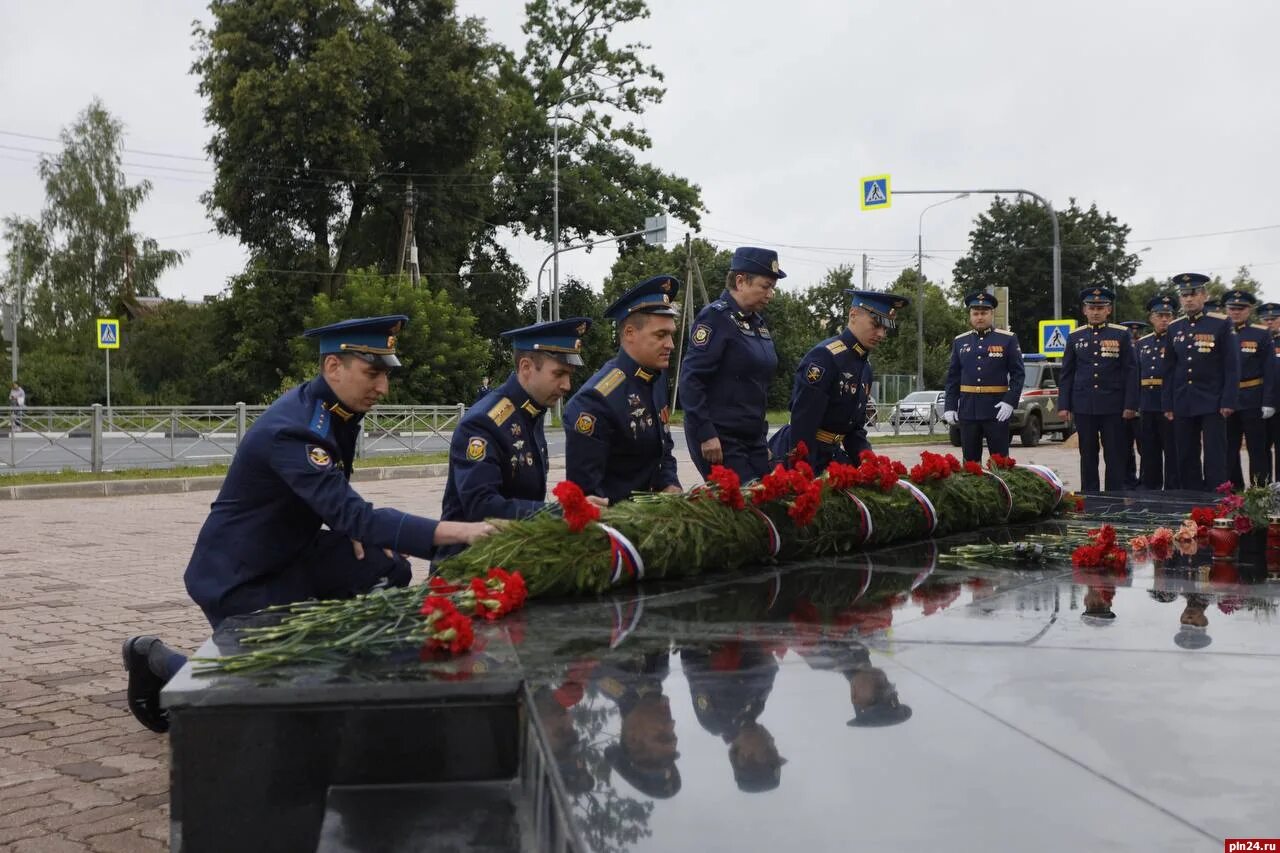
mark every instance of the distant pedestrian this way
{"type": "Point", "coordinates": [17, 402]}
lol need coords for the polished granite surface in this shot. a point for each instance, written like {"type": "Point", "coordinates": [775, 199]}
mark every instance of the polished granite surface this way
{"type": "Point", "coordinates": [887, 701]}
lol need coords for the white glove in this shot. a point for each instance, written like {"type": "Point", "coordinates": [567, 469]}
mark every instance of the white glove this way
{"type": "Point", "coordinates": [1003, 411]}
{"type": "Point", "coordinates": [1267, 412]}
{"type": "Point", "coordinates": [950, 418]}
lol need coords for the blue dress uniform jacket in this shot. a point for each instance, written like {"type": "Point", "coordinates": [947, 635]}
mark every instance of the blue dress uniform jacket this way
{"type": "Point", "coordinates": [1201, 366]}
{"type": "Point", "coordinates": [617, 439]}
{"type": "Point", "coordinates": [724, 378]}
{"type": "Point", "coordinates": [1099, 371]}
{"type": "Point", "coordinates": [986, 370]}
{"type": "Point", "coordinates": [497, 458]}
{"type": "Point", "coordinates": [288, 477]}
{"type": "Point", "coordinates": [828, 403]}
{"type": "Point", "coordinates": [1151, 349]}
{"type": "Point", "coordinates": [1255, 365]}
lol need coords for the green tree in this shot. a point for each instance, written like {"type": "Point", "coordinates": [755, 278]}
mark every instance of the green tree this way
{"type": "Point", "coordinates": [443, 359]}
{"type": "Point", "coordinates": [794, 332]}
{"type": "Point", "coordinates": [1011, 245]}
{"type": "Point", "coordinates": [83, 254]}
{"type": "Point", "coordinates": [171, 352]}
{"type": "Point", "coordinates": [943, 320]}
{"type": "Point", "coordinates": [827, 301]}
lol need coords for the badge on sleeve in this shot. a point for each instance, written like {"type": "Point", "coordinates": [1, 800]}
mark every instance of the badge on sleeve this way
{"type": "Point", "coordinates": [701, 334]}
{"type": "Point", "coordinates": [319, 457]}
{"type": "Point", "coordinates": [586, 424]}
{"type": "Point", "coordinates": [476, 448]}
{"type": "Point", "coordinates": [813, 374]}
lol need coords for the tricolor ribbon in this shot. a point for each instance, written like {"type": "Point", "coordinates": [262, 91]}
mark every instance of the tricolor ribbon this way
{"type": "Point", "coordinates": [865, 527]}
{"type": "Point", "coordinates": [926, 506]}
{"type": "Point", "coordinates": [1004, 491]}
{"type": "Point", "coordinates": [928, 570]}
{"type": "Point", "coordinates": [771, 531]}
{"type": "Point", "coordinates": [625, 619]}
{"type": "Point", "coordinates": [623, 556]}
{"type": "Point", "coordinates": [1051, 477]}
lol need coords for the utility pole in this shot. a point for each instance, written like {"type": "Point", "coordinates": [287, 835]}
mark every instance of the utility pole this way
{"type": "Point", "coordinates": [406, 230]}
{"type": "Point", "coordinates": [16, 314]}
{"type": "Point", "coordinates": [864, 270]}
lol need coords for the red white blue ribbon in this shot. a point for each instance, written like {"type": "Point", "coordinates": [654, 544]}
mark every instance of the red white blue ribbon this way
{"type": "Point", "coordinates": [771, 531]}
{"type": "Point", "coordinates": [624, 558]}
{"type": "Point", "coordinates": [1051, 477]}
{"type": "Point", "coordinates": [1005, 492]}
{"type": "Point", "coordinates": [625, 619]}
{"type": "Point", "coordinates": [926, 506]}
{"type": "Point", "coordinates": [866, 527]}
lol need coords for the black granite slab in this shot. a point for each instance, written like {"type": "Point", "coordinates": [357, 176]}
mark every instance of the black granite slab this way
{"type": "Point", "coordinates": [893, 699]}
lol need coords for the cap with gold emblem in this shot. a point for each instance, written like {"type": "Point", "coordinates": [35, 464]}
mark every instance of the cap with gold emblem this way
{"type": "Point", "coordinates": [560, 338]}
{"type": "Point", "coordinates": [651, 296]}
{"type": "Point", "coordinates": [1097, 295]}
{"type": "Point", "coordinates": [755, 261]}
{"type": "Point", "coordinates": [1190, 282]}
{"type": "Point", "coordinates": [884, 306]}
{"type": "Point", "coordinates": [1162, 303]}
{"type": "Point", "coordinates": [371, 338]}
{"type": "Point", "coordinates": [980, 299]}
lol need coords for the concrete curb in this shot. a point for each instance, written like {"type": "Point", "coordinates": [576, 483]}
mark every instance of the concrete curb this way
{"type": "Point", "coordinates": [117, 488]}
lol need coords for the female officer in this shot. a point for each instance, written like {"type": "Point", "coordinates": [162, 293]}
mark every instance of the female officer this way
{"type": "Point", "coordinates": [725, 375]}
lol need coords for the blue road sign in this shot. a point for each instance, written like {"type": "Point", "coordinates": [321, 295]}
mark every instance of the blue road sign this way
{"type": "Point", "coordinates": [1053, 337]}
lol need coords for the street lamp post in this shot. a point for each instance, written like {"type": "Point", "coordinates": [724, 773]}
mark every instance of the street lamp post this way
{"type": "Point", "coordinates": [920, 288]}
{"type": "Point", "coordinates": [1053, 216]}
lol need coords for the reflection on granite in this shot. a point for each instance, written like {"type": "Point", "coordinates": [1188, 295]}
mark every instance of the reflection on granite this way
{"type": "Point", "coordinates": [887, 700]}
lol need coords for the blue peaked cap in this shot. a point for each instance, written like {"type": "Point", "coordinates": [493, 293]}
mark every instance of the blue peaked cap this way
{"type": "Point", "coordinates": [749, 259]}
{"type": "Point", "coordinates": [651, 296]}
{"type": "Point", "coordinates": [1269, 310]}
{"type": "Point", "coordinates": [1188, 282]}
{"type": "Point", "coordinates": [1097, 296]}
{"type": "Point", "coordinates": [371, 338]}
{"type": "Point", "coordinates": [981, 299]}
{"type": "Point", "coordinates": [560, 338]}
{"type": "Point", "coordinates": [884, 305]}
{"type": "Point", "coordinates": [1162, 303]}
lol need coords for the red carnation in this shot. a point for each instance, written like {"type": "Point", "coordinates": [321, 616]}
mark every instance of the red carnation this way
{"type": "Point", "coordinates": [451, 633]}
{"type": "Point", "coordinates": [999, 460]}
{"type": "Point", "coordinates": [578, 511]}
{"type": "Point", "coordinates": [973, 468]}
{"type": "Point", "coordinates": [728, 486]}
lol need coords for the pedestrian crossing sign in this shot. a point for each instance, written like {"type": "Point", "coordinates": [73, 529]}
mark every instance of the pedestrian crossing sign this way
{"type": "Point", "coordinates": [1053, 337]}
{"type": "Point", "coordinates": [108, 334]}
{"type": "Point", "coordinates": [876, 193]}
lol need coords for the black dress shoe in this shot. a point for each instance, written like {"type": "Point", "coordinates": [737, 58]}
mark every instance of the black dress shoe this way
{"type": "Point", "coordinates": [144, 683]}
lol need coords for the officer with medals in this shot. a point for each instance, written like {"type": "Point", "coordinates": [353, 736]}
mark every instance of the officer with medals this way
{"type": "Point", "coordinates": [617, 438]}
{"type": "Point", "coordinates": [1159, 458]}
{"type": "Point", "coordinates": [984, 380]}
{"type": "Point", "coordinates": [832, 383]}
{"type": "Point", "coordinates": [727, 368]}
{"type": "Point", "coordinates": [1099, 389]}
{"type": "Point", "coordinates": [1257, 385]}
{"type": "Point", "coordinates": [1133, 428]}
{"type": "Point", "coordinates": [1269, 314]}
{"type": "Point", "coordinates": [729, 683]}
{"type": "Point", "coordinates": [498, 454]}
{"type": "Point", "coordinates": [263, 543]}
{"type": "Point", "coordinates": [1201, 385]}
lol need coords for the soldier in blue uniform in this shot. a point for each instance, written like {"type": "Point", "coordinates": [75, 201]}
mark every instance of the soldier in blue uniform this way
{"type": "Point", "coordinates": [725, 374]}
{"type": "Point", "coordinates": [263, 543]}
{"type": "Point", "coordinates": [1269, 314]}
{"type": "Point", "coordinates": [984, 380]}
{"type": "Point", "coordinates": [646, 750]}
{"type": "Point", "coordinates": [729, 683]}
{"type": "Point", "coordinates": [1159, 459]}
{"type": "Point", "coordinates": [498, 454]}
{"type": "Point", "coordinates": [1257, 386]}
{"type": "Point", "coordinates": [617, 438]}
{"type": "Point", "coordinates": [1201, 385]}
{"type": "Point", "coordinates": [1133, 427]}
{"type": "Point", "coordinates": [1099, 388]}
{"type": "Point", "coordinates": [832, 383]}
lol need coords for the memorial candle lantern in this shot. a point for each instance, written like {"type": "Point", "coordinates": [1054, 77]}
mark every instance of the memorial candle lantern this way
{"type": "Point", "coordinates": [1223, 538]}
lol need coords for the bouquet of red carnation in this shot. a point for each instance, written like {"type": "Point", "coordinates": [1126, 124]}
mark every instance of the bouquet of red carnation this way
{"type": "Point", "coordinates": [1101, 552]}
{"type": "Point", "coordinates": [578, 511]}
{"type": "Point", "coordinates": [999, 460]}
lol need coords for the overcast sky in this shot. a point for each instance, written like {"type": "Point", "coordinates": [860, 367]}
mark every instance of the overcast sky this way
{"type": "Point", "coordinates": [1162, 113]}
